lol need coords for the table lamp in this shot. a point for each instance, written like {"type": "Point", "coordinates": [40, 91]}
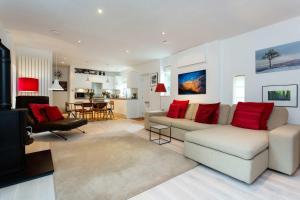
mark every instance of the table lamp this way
{"type": "Point", "coordinates": [160, 87]}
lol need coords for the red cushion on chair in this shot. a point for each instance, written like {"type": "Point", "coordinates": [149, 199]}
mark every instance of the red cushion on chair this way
{"type": "Point", "coordinates": [184, 106]}
{"type": "Point", "coordinates": [174, 110]}
{"type": "Point", "coordinates": [208, 113]}
{"type": "Point", "coordinates": [53, 113]}
{"type": "Point", "coordinates": [248, 115]}
{"type": "Point", "coordinates": [37, 111]}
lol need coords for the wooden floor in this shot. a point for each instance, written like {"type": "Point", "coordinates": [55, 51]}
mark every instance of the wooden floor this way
{"type": "Point", "coordinates": [198, 183]}
{"type": "Point", "coordinates": [202, 183]}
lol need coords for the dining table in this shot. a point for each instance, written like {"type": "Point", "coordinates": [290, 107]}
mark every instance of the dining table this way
{"type": "Point", "coordinates": [83, 109]}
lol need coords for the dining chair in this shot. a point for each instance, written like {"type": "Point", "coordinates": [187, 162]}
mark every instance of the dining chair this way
{"type": "Point", "coordinates": [78, 110]}
{"type": "Point", "coordinates": [110, 109]}
{"type": "Point", "coordinates": [88, 110]}
{"type": "Point", "coordinates": [70, 109]}
{"type": "Point", "coordinates": [100, 108]}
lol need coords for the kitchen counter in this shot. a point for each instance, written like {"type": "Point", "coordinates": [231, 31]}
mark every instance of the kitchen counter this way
{"type": "Point", "coordinates": [122, 99]}
{"type": "Point", "coordinates": [127, 107]}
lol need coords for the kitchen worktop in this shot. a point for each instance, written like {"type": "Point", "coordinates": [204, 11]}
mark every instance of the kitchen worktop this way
{"type": "Point", "coordinates": [122, 99]}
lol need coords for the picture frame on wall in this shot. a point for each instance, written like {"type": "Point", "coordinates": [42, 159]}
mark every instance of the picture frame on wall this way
{"type": "Point", "coordinates": [278, 58]}
{"type": "Point", "coordinates": [154, 79]}
{"type": "Point", "coordinates": [192, 83]}
{"type": "Point", "coordinates": [281, 95]}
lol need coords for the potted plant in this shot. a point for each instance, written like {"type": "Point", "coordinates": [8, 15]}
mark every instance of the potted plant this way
{"type": "Point", "coordinates": [91, 96]}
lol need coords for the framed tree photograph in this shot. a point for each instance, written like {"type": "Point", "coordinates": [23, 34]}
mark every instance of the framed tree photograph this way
{"type": "Point", "coordinates": [278, 58]}
{"type": "Point", "coordinates": [154, 79]}
{"type": "Point", "coordinates": [281, 95]}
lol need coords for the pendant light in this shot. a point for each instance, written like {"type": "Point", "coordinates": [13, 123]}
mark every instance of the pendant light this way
{"type": "Point", "coordinates": [56, 86]}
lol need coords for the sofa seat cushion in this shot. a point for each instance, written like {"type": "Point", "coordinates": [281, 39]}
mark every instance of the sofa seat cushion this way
{"type": "Point", "coordinates": [240, 142]}
{"type": "Point", "coordinates": [164, 120]}
{"type": "Point", "coordinates": [191, 125]}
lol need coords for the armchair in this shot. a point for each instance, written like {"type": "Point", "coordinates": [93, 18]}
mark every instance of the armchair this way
{"type": "Point", "coordinates": [60, 125]}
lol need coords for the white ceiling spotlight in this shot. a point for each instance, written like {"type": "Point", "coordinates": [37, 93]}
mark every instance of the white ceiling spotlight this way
{"type": "Point", "coordinates": [100, 11]}
{"type": "Point", "coordinates": [127, 51]}
{"type": "Point", "coordinates": [79, 41]}
{"type": "Point", "coordinates": [163, 33]}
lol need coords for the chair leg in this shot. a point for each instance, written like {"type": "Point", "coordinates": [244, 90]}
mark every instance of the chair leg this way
{"type": "Point", "coordinates": [59, 135]}
{"type": "Point", "coordinates": [82, 131]}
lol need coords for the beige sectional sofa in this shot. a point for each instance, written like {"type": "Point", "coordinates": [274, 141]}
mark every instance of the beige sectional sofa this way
{"type": "Point", "coordinates": [241, 153]}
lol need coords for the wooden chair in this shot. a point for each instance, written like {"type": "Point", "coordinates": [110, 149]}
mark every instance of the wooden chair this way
{"type": "Point", "coordinates": [100, 108]}
{"type": "Point", "coordinates": [88, 109]}
{"type": "Point", "coordinates": [110, 109]}
{"type": "Point", "coordinates": [83, 110]}
{"type": "Point", "coordinates": [78, 110]}
{"type": "Point", "coordinates": [70, 110]}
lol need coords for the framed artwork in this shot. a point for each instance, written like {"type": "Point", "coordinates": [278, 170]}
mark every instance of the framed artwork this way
{"type": "Point", "coordinates": [154, 79]}
{"type": "Point", "coordinates": [278, 58]}
{"type": "Point", "coordinates": [281, 95]}
{"type": "Point", "coordinates": [192, 83]}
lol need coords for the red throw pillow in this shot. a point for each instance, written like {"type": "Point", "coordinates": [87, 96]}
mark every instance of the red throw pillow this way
{"type": "Point", "coordinates": [268, 108]}
{"type": "Point", "coordinates": [208, 113]}
{"type": "Point", "coordinates": [184, 106]}
{"type": "Point", "coordinates": [248, 116]}
{"type": "Point", "coordinates": [37, 111]}
{"type": "Point", "coordinates": [174, 110]}
{"type": "Point", "coordinates": [53, 113]}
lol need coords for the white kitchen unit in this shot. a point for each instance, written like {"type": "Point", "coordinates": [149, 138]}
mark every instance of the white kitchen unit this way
{"type": "Point", "coordinates": [127, 107]}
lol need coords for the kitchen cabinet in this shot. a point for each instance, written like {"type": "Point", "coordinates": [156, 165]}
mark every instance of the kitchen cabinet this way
{"type": "Point", "coordinates": [127, 107]}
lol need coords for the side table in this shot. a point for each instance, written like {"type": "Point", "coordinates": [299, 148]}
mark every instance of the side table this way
{"type": "Point", "coordinates": [160, 140]}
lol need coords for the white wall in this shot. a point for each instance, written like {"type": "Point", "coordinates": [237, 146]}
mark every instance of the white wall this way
{"type": "Point", "coordinates": [35, 63]}
{"type": "Point", "coordinates": [145, 92]}
{"type": "Point", "coordinates": [238, 58]}
{"type": "Point", "coordinates": [60, 97]}
{"type": "Point", "coordinates": [187, 61]}
{"type": "Point", "coordinates": [228, 58]}
{"type": "Point", "coordinates": [195, 55]}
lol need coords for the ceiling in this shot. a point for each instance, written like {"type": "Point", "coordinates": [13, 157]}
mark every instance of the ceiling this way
{"type": "Point", "coordinates": [134, 26]}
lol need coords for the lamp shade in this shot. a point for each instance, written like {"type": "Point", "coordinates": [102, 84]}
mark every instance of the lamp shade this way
{"type": "Point", "coordinates": [160, 87]}
{"type": "Point", "coordinates": [56, 86]}
{"type": "Point", "coordinates": [28, 84]}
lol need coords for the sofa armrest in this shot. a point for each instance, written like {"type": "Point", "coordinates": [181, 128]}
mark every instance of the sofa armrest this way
{"type": "Point", "coordinates": [149, 114]}
{"type": "Point", "coordinates": [284, 149]}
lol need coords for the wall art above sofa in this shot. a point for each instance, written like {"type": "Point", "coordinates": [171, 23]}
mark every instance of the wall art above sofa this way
{"type": "Point", "coordinates": [192, 83]}
{"type": "Point", "coordinates": [281, 95]}
{"type": "Point", "coordinates": [278, 58]}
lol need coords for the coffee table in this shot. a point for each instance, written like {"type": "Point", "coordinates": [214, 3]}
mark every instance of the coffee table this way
{"type": "Point", "coordinates": [160, 140]}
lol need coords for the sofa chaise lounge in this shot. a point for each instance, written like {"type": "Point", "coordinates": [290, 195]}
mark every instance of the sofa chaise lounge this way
{"type": "Point", "coordinates": [238, 152]}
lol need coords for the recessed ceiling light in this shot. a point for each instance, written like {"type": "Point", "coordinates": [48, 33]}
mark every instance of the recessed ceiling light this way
{"type": "Point", "coordinates": [79, 41]}
{"type": "Point", "coordinates": [100, 11]}
{"type": "Point", "coordinates": [163, 33]}
{"type": "Point", "coordinates": [127, 51]}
